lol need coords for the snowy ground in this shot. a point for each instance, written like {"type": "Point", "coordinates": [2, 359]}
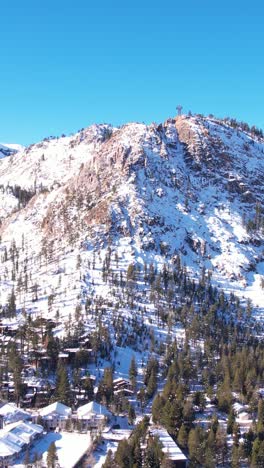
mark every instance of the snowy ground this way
{"type": "Point", "coordinates": [99, 455]}
{"type": "Point", "coordinates": [70, 447]}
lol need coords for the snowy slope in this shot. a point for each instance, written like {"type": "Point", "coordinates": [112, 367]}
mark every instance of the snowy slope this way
{"type": "Point", "coordinates": [53, 160]}
{"type": "Point", "coordinates": [186, 187]}
{"type": "Point", "coordinates": [7, 149]}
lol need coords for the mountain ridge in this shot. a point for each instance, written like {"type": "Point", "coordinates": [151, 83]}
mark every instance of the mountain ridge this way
{"type": "Point", "coordinates": [188, 187]}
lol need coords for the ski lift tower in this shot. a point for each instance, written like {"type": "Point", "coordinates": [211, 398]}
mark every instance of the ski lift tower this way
{"type": "Point", "coordinates": [179, 109]}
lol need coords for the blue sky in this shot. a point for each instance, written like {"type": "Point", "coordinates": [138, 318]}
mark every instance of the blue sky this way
{"type": "Point", "coordinates": [67, 64]}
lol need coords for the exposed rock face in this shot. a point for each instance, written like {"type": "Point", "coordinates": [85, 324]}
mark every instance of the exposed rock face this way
{"type": "Point", "coordinates": [203, 147]}
{"type": "Point", "coordinates": [186, 187]}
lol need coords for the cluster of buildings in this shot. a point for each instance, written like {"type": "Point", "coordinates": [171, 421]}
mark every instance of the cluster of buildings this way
{"type": "Point", "coordinates": [18, 436]}
{"type": "Point", "coordinates": [91, 416]}
{"type": "Point", "coordinates": [19, 428]}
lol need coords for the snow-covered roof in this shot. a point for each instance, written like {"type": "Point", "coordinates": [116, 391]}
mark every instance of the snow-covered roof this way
{"type": "Point", "coordinates": [92, 409]}
{"type": "Point", "coordinates": [120, 380]}
{"type": "Point", "coordinates": [238, 407]}
{"type": "Point", "coordinates": [90, 376]}
{"type": "Point", "coordinates": [63, 355]}
{"type": "Point", "coordinates": [27, 430]}
{"type": "Point", "coordinates": [7, 450]}
{"type": "Point", "coordinates": [8, 408]}
{"type": "Point", "coordinates": [13, 440]}
{"type": "Point", "coordinates": [170, 448]}
{"type": "Point", "coordinates": [122, 390]}
{"type": "Point", "coordinates": [244, 416]}
{"type": "Point", "coordinates": [11, 413]}
{"type": "Point", "coordinates": [58, 408]}
{"type": "Point", "coordinates": [72, 350]}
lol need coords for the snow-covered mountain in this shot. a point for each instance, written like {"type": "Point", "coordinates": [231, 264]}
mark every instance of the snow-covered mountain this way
{"type": "Point", "coordinates": [9, 149]}
{"type": "Point", "coordinates": [193, 186]}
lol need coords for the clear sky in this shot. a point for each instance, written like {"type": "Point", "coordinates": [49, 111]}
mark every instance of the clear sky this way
{"type": "Point", "coordinates": [67, 64]}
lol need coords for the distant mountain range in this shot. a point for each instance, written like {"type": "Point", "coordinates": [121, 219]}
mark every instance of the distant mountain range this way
{"type": "Point", "coordinates": [8, 149]}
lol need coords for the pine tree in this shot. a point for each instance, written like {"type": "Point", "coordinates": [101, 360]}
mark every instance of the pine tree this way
{"type": "Point", "coordinates": [248, 443]}
{"type": "Point", "coordinates": [16, 365]}
{"type": "Point", "coordinates": [133, 372]}
{"type": "Point", "coordinates": [257, 459]}
{"type": "Point", "coordinates": [260, 423]}
{"type": "Point", "coordinates": [166, 462]}
{"type": "Point", "coordinates": [105, 388]}
{"type": "Point", "coordinates": [142, 397]}
{"type": "Point", "coordinates": [209, 461]}
{"type": "Point", "coordinates": [89, 388]}
{"type": "Point", "coordinates": [131, 414]}
{"type": "Point", "coordinates": [182, 438]}
{"type": "Point", "coordinates": [236, 434]}
{"type": "Point", "coordinates": [62, 391]}
{"type": "Point", "coordinates": [157, 407]}
{"type": "Point", "coordinates": [188, 414]}
{"type": "Point", "coordinates": [152, 384]}
{"type": "Point", "coordinates": [221, 444]}
{"type": "Point", "coordinates": [224, 396]}
{"type": "Point", "coordinates": [172, 416]}
{"type": "Point", "coordinates": [235, 462]}
{"type": "Point", "coordinates": [37, 460]}
{"type": "Point", "coordinates": [196, 446]}
{"type": "Point", "coordinates": [230, 422]}
{"type": "Point", "coordinates": [109, 461]}
{"type": "Point", "coordinates": [11, 304]}
{"type": "Point", "coordinates": [124, 455]}
{"type": "Point", "coordinates": [26, 458]}
{"type": "Point", "coordinates": [52, 456]}
{"type": "Point", "coordinates": [154, 454]}
{"type": "Point", "coordinates": [52, 349]}
{"type": "Point", "coordinates": [211, 439]}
